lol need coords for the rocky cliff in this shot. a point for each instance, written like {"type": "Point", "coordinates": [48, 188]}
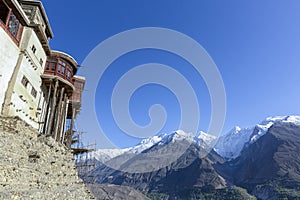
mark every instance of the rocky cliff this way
{"type": "Point", "coordinates": [34, 166]}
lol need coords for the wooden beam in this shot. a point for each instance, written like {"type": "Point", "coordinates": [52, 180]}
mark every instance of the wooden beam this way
{"type": "Point", "coordinates": [52, 111]}
{"type": "Point", "coordinates": [64, 117]}
{"type": "Point", "coordinates": [58, 117]}
{"type": "Point", "coordinates": [45, 114]}
{"type": "Point", "coordinates": [70, 131]}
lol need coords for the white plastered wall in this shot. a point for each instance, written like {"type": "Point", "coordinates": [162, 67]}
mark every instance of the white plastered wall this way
{"type": "Point", "coordinates": [24, 104]}
{"type": "Point", "coordinates": [9, 54]}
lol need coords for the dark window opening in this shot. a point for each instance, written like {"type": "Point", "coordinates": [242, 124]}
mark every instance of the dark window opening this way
{"type": "Point", "coordinates": [25, 81]}
{"type": "Point", "coordinates": [47, 66]}
{"type": "Point", "coordinates": [33, 49]}
{"type": "Point", "coordinates": [62, 69]}
{"type": "Point", "coordinates": [33, 92]}
{"type": "Point", "coordinates": [53, 66]}
{"type": "Point", "coordinates": [41, 62]}
{"type": "Point", "coordinates": [4, 10]}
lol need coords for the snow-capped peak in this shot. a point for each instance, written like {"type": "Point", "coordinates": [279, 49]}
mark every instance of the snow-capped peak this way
{"type": "Point", "coordinates": [206, 138]}
{"type": "Point", "coordinates": [285, 119]}
{"type": "Point", "coordinates": [293, 119]}
{"type": "Point", "coordinates": [178, 136]}
{"type": "Point", "coordinates": [231, 144]}
{"type": "Point", "coordinates": [104, 155]}
{"type": "Point", "coordinates": [264, 126]}
{"type": "Point", "coordinates": [162, 139]}
{"type": "Point", "coordinates": [145, 144]}
{"type": "Point", "coordinates": [236, 130]}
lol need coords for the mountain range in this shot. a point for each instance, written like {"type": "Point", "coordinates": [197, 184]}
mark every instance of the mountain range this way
{"type": "Point", "coordinates": [259, 162]}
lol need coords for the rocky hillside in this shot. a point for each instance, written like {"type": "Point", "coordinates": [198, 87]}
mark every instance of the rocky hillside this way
{"type": "Point", "coordinates": [191, 176]}
{"type": "Point", "coordinates": [188, 171]}
{"type": "Point", "coordinates": [270, 167]}
{"type": "Point", "coordinates": [115, 192]}
{"type": "Point", "coordinates": [36, 167]}
{"type": "Point", "coordinates": [266, 166]}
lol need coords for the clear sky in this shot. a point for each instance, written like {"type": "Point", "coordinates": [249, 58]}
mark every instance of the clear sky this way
{"type": "Point", "coordinates": [255, 45]}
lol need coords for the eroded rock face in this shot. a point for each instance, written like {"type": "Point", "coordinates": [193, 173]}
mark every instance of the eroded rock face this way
{"type": "Point", "coordinates": [34, 166]}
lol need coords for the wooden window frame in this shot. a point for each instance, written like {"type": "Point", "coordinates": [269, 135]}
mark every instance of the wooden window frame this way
{"type": "Point", "coordinates": [4, 25]}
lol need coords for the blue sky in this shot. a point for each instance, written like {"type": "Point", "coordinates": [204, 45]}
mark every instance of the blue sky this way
{"type": "Point", "coordinates": [255, 44]}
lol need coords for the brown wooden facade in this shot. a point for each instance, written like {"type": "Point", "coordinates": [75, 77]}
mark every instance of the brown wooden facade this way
{"type": "Point", "coordinates": [63, 99]}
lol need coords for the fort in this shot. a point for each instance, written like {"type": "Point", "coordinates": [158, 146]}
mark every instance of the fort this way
{"type": "Point", "coordinates": [38, 85]}
{"type": "Point", "coordinates": [40, 97]}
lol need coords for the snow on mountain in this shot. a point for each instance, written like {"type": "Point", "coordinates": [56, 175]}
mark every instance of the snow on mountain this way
{"type": "Point", "coordinates": [207, 138]}
{"type": "Point", "coordinates": [177, 136]}
{"type": "Point", "coordinates": [145, 144]}
{"type": "Point", "coordinates": [228, 146]}
{"type": "Point", "coordinates": [104, 155]}
{"type": "Point", "coordinates": [287, 119]}
{"type": "Point", "coordinates": [231, 144]}
{"type": "Point", "coordinates": [162, 139]}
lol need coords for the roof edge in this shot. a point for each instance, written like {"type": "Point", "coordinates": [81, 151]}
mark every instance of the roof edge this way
{"type": "Point", "coordinates": [44, 15]}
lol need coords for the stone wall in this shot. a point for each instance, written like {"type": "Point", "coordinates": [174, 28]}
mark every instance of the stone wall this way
{"type": "Point", "coordinates": [34, 166]}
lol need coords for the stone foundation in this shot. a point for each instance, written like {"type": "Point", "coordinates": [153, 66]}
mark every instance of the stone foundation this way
{"type": "Point", "coordinates": [34, 166]}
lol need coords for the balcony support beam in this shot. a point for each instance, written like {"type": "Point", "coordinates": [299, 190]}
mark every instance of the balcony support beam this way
{"type": "Point", "coordinates": [58, 117]}
{"type": "Point", "coordinates": [52, 111]}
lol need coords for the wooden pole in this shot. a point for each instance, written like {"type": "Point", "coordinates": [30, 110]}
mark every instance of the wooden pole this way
{"type": "Point", "coordinates": [69, 139]}
{"type": "Point", "coordinates": [52, 111]}
{"type": "Point", "coordinates": [58, 117]}
{"type": "Point", "coordinates": [38, 113]}
{"type": "Point", "coordinates": [63, 121]}
{"type": "Point", "coordinates": [45, 117]}
{"type": "Point", "coordinates": [66, 112]}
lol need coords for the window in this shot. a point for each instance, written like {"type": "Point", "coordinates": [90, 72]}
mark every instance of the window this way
{"type": "Point", "coordinates": [33, 49]}
{"type": "Point", "coordinates": [25, 81]}
{"type": "Point", "coordinates": [33, 92]}
{"type": "Point", "coordinates": [4, 10]}
{"type": "Point", "coordinates": [61, 63]}
{"type": "Point", "coordinates": [61, 67]}
{"type": "Point", "coordinates": [10, 23]}
{"type": "Point", "coordinates": [13, 25]}
{"type": "Point", "coordinates": [68, 74]}
{"type": "Point", "coordinates": [41, 62]}
{"type": "Point", "coordinates": [47, 66]}
{"type": "Point", "coordinates": [50, 64]}
{"type": "Point", "coordinates": [53, 66]}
